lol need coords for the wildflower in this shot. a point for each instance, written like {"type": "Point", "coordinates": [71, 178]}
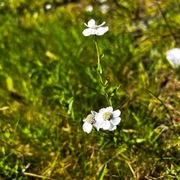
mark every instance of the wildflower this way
{"type": "Point", "coordinates": [88, 122]}
{"type": "Point", "coordinates": [107, 119]}
{"type": "Point", "coordinates": [173, 56]}
{"type": "Point", "coordinates": [104, 8]}
{"type": "Point", "coordinates": [89, 8]}
{"type": "Point", "coordinates": [94, 29]}
{"type": "Point", "coordinates": [48, 6]}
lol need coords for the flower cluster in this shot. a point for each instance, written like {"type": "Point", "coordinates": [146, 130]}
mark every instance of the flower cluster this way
{"type": "Point", "coordinates": [173, 56]}
{"type": "Point", "coordinates": [94, 29]}
{"type": "Point", "coordinates": [105, 119]}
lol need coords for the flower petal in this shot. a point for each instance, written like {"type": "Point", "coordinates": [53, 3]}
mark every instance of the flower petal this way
{"type": "Point", "coordinates": [112, 128]}
{"type": "Point", "coordinates": [106, 125]}
{"type": "Point", "coordinates": [102, 24]}
{"type": "Point", "coordinates": [88, 32]}
{"type": "Point", "coordinates": [173, 56]}
{"type": "Point", "coordinates": [102, 110]}
{"type": "Point", "coordinates": [87, 127]}
{"type": "Point", "coordinates": [101, 31]}
{"type": "Point", "coordinates": [115, 121]}
{"type": "Point", "coordinates": [98, 121]}
{"type": "Point", "coordinates": [91, 23]}
{"type": "Point", "coordinates": [85, 24]}
{"type": "Point", "coordinates": [98, 125]}
{"type": "Point", "coordinates": [93, 112]}
{"type": "Point", "coordinates": [109, 109]}
{"type": "Point", "coordinates": [116, 113]}
{"type": "Point", "coordinates": [98, 117]}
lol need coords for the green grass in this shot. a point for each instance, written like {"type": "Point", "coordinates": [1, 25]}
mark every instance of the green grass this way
{"type": "Point", "coordinates": [49, 84]}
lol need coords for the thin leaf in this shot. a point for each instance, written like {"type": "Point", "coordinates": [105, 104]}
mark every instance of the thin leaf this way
{"type": "Point", "coordinates": [102, 172]}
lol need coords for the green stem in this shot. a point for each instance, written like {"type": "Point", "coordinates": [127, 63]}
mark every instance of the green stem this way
{"type": "Point", "coordinates": [98, 56]}
{"type": "Point", "coordinates": [99, 73]}
{"type": "Point", "coordinates": [108, 99]}
{"type": "Point", "coordinates": [167, 24]}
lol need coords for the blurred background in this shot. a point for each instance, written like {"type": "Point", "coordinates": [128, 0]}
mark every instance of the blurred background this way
{"type": "Point", "coordinates": [48, 85]}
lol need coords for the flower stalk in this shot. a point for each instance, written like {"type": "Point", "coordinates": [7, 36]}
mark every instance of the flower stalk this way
{"type": "Point", "coordinates": [106, 118]}
{"type": "Point", "coordinates": [99, 68]}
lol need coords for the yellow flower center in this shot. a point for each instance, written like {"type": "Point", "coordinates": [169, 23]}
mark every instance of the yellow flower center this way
{"type": "Point", "coordinates": [107, 116]}
{"type": "Point", "coordinates": [90, 118]}
{"type": "Point", "coordinates": [95, 27]}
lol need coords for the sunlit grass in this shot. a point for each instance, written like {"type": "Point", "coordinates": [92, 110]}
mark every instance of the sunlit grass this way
{"type": "Point", "coordinates": [49, 84]}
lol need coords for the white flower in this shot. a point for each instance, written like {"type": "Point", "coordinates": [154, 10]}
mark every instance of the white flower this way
{"type": "Point", "coordinates": [48, 6]}
{"type": "Point", "coordinates": [173, 56]}
{"type": "Point", "coordinates": [87, 127]}
{"type": "Point", "coordinates": [89, 8]}
{"type": "Point", "coordinates": [94, 29]}
{"type": "Point", "coordinates": [104, 8]}
{"type": "Point", "coordinates": [107, 119]}
{"type": "Point", "coordinates": [102, 1]}
{"type": "Point", "coordinates": [88, 122]}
